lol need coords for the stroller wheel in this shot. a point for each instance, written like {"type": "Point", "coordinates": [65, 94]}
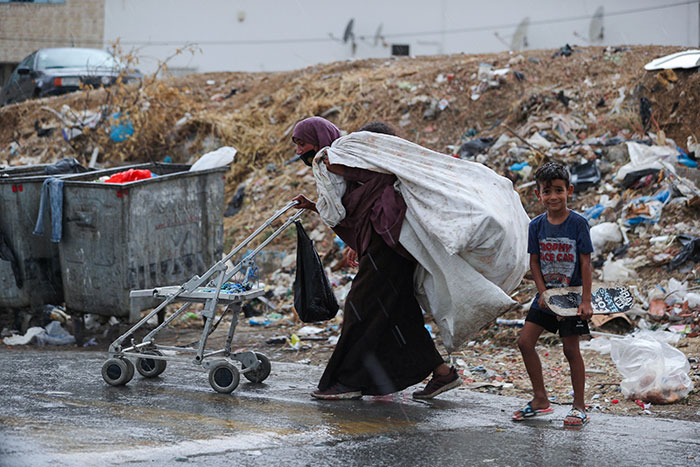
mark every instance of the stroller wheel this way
{"type": "Point", "coordinates": [224, 377]}
{"type": "Point", "coordinates": [129, 369]}
{"type": "Point", "coordinates": [115, 371]}
{"type": "Point", "coordinates": [261, 372]}
{"type": "Point", "coordinates": [150, 367]}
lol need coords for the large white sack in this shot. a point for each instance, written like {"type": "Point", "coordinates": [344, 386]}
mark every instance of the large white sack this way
{"type": "Point", "coordinates": [461, 300]}
{"type": "Point", "coordinates": [467, 207]}
{"type": "Point", "coordinates": [465, 225]}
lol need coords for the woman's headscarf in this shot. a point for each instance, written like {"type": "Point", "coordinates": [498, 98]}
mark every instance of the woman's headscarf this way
{"type": "Point", "coordinates": [316, 131]}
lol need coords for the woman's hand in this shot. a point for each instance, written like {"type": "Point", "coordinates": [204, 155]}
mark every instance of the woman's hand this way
{"type": "Point", "coordinates": [350, 257]}
{"type": "Point", "coordinates": [304, 202]}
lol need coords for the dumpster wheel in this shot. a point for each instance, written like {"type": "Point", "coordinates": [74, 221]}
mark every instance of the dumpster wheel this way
{"type": "Point", "coordinates": [224, 377]}
{"type": "Point", "coordinates": [117, 371]}
{"type": "Point", "coordinates": [150, 367]}
{"type": "Point", "coordinates": [261, 372]}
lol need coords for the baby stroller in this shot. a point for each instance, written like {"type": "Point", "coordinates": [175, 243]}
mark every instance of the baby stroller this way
{"type": "Point", "coordinates": [217, 286]}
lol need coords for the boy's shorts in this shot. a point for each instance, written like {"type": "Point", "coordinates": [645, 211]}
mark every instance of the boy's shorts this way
{"type": "Point", "coordinates": [569, 326]}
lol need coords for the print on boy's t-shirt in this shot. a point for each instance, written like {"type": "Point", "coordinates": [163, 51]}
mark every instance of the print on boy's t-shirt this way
{"type": "Point", "coordinates": [557, 260]}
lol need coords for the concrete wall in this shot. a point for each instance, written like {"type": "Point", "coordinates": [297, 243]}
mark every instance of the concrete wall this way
{"type": "Point", "coordinates": [266, 35]}
{"type": "Point", "coordinates": [25, 27]}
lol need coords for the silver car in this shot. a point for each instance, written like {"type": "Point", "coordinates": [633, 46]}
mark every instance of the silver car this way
{"type": "Point", "coordinates": [50, 72]}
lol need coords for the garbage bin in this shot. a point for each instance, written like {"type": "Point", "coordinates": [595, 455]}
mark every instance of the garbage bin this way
{"type": "Point", "coordinates": [148, 233]}
{"type": "Point", "coordinates": [35, 277]}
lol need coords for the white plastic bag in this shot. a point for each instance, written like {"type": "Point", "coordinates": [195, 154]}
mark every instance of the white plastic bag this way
{"type": "Point", "coordinates": [603, 233]}
{"type": "Point", "coordinates": [211, 160]}
{"type": "Point", "coordinates": [653, 371]}
{"type": "Point", "coordinates": [617, 271]}
{"type": "Point", "coordinates": [646, 157]}
{"type": "Point", "coordinates": [599, 344]}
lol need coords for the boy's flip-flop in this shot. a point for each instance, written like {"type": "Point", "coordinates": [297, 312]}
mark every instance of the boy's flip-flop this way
{"type": "Point", "coordinates": [529, 412]}
{"type": "Point", "coordinates": [581, 417]}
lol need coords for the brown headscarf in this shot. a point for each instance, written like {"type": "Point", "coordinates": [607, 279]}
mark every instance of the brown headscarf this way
{"type": "Point", "coordinates": [316, 131]}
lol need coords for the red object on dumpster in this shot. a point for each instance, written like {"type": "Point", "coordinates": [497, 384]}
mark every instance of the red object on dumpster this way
{"type": "Point", "coordinates": [130, 175]}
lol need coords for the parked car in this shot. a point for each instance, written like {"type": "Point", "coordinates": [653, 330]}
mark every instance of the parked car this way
{"type": "Point", "coordinates": [50, 72]}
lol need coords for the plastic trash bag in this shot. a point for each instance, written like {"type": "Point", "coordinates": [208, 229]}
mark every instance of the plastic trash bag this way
{"type": "Point", "coordinates": [603, 233]}
{"type": "Point", "coordinates": [690, 251]}
{"type": "Point", "coordinates": [472, 148]}
{"type": "Point", "coordinates": [314, 299]}
{"type": "Point", "coordinates": [617, 271]}
{"type": "Point", "coordinates": [584, 176]}
{"type": "Point", "coordinates": [211, 160]}
{"type": "Point", "coordinates": [55, 335]}
{"type": "Point", "coordinates": [653, 371]}
{"type": "Point", "coordinates": [131, 175]}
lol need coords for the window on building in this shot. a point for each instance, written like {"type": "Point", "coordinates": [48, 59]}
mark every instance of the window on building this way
{"type": "Point", "coordinates": [399, 49]}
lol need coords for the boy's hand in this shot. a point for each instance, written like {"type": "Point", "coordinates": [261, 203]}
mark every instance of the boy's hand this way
{"type": "Point", "coordinates": [585, 310]}
{"type": "Point", "coordinates": [542, 303]}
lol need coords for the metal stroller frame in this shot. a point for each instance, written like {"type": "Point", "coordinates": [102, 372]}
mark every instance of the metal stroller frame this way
{"type": "Point", "coordinates": [211, 290]}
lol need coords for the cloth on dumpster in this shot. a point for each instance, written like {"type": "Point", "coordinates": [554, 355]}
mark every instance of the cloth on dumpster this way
{"type": "Point", "coordinates": [465, 225]}
{"type": "Point", "coordinates": [131, 175]}
{"type": "Point", "coordinates": [7, 254]}
{"type": "Point", "coordinates": [51, 201]}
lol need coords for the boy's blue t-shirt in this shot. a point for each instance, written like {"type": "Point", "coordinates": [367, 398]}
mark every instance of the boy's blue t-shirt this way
{"type": "Point", "coordinates": [559, 247]}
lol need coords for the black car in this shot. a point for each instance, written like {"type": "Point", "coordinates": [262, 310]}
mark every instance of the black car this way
{"type": "Point", "coordinates": [50, 72]}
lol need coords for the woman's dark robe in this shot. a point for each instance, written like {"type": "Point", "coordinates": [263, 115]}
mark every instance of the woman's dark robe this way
{"type": "Point", "coordinates": [384, 346]}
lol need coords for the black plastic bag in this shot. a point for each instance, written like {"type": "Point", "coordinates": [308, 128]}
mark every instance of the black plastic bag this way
{"type": "Point", "coordinates": [690, 251]}
{"type": "Point", "coordinates": [313, 296]}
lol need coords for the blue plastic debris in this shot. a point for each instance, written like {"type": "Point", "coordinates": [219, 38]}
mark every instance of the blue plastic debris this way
{"type": "Point", "coordinates": [594, 212]}
{"type": "Point", "coordinates": [121, 129]}
{"type": "Point", "coordinates": [685, 159]}
{"type": "Point", "coordinates": [259, 322]}
{"type": "Point", "coordinates": [518, 166]}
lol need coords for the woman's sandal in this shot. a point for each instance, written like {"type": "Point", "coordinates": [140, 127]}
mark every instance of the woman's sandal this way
{"type": "Point", "coordinates": [529, 412]}
{"type": "Point", "coordinates": [579, 415]}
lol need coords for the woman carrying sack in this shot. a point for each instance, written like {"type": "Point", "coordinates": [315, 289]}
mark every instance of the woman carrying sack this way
{"type": "Point", "coordinates": [384, 346]}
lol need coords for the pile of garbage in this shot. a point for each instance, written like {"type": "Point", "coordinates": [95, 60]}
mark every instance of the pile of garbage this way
{"type": "Point", "coordinates": [628, 134]}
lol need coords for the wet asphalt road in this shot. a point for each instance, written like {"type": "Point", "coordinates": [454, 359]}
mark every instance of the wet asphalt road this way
{"type": "Point", "coordinates": [56, 410]}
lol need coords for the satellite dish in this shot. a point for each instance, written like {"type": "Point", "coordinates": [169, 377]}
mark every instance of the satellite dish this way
{"type": "Point", "coordinates": [378, 35]}
{"type": "Point", "coordinates": [348, 34]}
{"type": "Point", "coordinates": [595, 30]}
{"type": "Point", "coordinates": [519, 41]}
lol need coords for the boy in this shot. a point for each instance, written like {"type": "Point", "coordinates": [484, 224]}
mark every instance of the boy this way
{"type": "Point", "coordinates": [559, 244]}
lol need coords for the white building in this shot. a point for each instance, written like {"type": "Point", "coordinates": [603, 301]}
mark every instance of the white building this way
{"type": "Point", "coordinates": [270, 35]}
{"type": "Point", "coordinates": [267, 35]}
